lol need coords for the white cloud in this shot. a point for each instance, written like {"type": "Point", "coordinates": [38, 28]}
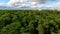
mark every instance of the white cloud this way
{"type": "Point", "coordinates": [13, 2]}
{"type": "Point", "coordinates": [27, 4]}
{"type": "Point", "coordinates": [54, 6]}
{"type": "Point", "coordinates": [20, 3]}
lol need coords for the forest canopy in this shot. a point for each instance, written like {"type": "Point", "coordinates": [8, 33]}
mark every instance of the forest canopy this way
{"type": "Point", "coordinates": [29, 22]}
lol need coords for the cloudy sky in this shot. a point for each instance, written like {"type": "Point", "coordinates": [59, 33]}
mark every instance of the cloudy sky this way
{"type": "Point", "coordinates": [30, 4]}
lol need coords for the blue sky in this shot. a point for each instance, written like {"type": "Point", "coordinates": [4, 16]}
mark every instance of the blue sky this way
{"type": "Point", "coordinates": [4, 1]}
{"type": "Point", "coordinates": [16, 4]}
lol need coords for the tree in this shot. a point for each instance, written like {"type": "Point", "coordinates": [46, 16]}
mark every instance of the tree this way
{"type": "Point", "coordinates": [13, 28]}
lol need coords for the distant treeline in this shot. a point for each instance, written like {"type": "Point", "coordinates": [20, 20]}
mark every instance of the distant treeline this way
{"type": "Point", "coordinates": [29, 22]}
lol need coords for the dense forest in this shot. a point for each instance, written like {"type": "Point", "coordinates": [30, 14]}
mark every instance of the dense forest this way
{"type": "Point", "coordinates": [29, 22]}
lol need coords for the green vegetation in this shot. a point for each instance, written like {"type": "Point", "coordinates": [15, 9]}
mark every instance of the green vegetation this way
{"type": "Point", "coordinates": [29, 22]}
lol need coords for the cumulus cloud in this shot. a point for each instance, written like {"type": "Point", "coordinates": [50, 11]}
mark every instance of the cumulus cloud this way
{"type": "Point", "coordinates": [35, 4]}
{"type": "Point", "coordinates": [53, 6]}
{"type": "Point", "coordinates": [24, 2]}
{"type": "Point", "coordinates": [57, 5]}
{"type": "Point", "coordinates": [18, 2]}
{"type": "Point", "coordinates": [40, 1]}
{"type": "Point", "coordinates": [13, 2]}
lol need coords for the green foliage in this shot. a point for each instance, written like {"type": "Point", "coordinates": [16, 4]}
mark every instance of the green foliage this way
{"type": "Point", "coordinates": [11, 29]}
{"type": "Point", "coordinates": [29, 22]}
